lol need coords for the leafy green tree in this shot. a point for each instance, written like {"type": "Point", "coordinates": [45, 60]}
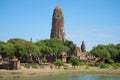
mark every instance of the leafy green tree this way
{"type": "Point", "coordinates": [101, 52]}
{"type": "Point", "coordinates": [57, 47]}
{"type": "Point", "coordinates": [20, 47]}
{"type": "Point", "coordinates": [112, 50]}
{"type": "Point", "coordinates": [6, 49]}
{"type": "Point", "coordinates": [117, 58]}
{"type": "Point", "coordinates": [72, 47]}
{"type": "Point", "coordinates": [23, 47]}
{"type": "Point", "coordinates": [74, 61]}
{"type": "Point", "coordinates": [51, 47]}
{"type": "Point", "coordinates": [43, 48]}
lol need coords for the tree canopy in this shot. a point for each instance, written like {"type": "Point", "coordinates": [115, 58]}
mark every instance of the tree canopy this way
{"type": "Point", "coordinates": [52, 47]}
{"type": "Point", "coordinates": [48, 47]}
{"type": "Point", "coordinates": [72, 47]}
{"type": "Point", "coordinates": [6, 49]}
{"type": "Point", "coordinates": [23, 47]}
{"type": "Point", "coordinates": [109, 51]}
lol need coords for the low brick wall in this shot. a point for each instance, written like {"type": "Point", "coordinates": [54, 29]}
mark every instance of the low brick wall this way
{"type": "Point", "coordinates": [4, 66]}
{"type": "Point", "coordinates": [14, 65]}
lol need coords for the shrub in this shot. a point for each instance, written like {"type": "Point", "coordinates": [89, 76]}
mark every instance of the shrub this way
{"type": "Point", "coordinates": [81, 63]}
{"type": "Point", "coordinates": [35, 66]}
{"type": "Point", "coordinates": [109, 61]}
{"type": "Point", "coordinates": [92, 64]}
{"type": "Point", "coordinates": [44, 60]}
{"type": "Point", "coordinates": [103, 65]}
{"type": "Point", "coordinates": [116, 65]}
{"type": "Point", "coordinates": [59, 63]}
{"type": "Point", "coordinates": [26, 65]}
{"type": "Point", "coordinates": [66, 66]}
{"type": "Point", "coordinates": [74, 61]}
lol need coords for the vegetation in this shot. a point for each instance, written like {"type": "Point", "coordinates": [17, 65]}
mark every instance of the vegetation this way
{"type": "Point", "coordinates": [102, 65]}
{"type": "Point", "coordinates": [74, 61]}
{"type": "Point", "coordinates": [35, 66]}
{"type": "Point", "coordinates": [6, 49]}
{"type": "Point", "coordinates": [115, 65]}
{"type": "Point", "coordinates": [49, 47]}
{"type": "Point", "coordinates": [23, 47]}
{"type": "Point", "coordinates": [26, 65]}
{"type": "Point", "coordinates": [109, 52]}
{"type": "Point", "coordinates": [72, 47]}
{"type": "Point", "coordinates": [44, 60]}
{"type": "Point", "coordinates": [81, 63]}
{"type": "Point", "coordinates": [59, 63]}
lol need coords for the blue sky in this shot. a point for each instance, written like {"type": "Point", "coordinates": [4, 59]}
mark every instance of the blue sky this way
{"type": "Point", "coordinates": [94, 21]}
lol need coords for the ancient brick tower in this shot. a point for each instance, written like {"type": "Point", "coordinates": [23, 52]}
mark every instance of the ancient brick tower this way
{"type": "Point", "coordinates": [83, 47]}
{"type": "Point", "coordinates": [57, 30]}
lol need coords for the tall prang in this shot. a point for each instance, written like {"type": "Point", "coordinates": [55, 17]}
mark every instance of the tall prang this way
{"type": "Point", "coordinates": [83, 47]}
{"type": "Point", "coordinates": [58, 30]}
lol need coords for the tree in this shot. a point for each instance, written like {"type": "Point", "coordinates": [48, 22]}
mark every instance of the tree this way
{"type": "Point", "coordinates": [112, 50]}
{"type": "Point", "coordinates": [23, 47]}
{"type": "Point", "coordinates": [101, 52]}
{"type": "Point", "coordinates": [43, 48]}
{"type": "Point", "coordinates": [6, 49]}
{"type": "Point", "coordinates": [51, 47]}
{"type": "Point", "coordinates": [74, 61]}
{"type": "Point", "coordinates": [117, 58]}
{"type": "Point", "coordinates": [72, 47]}
{"type": "Point", "coordinates": [57, 47]}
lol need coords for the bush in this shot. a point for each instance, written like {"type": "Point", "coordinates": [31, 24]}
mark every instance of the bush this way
{"type": "Point", "coordinates": [35, 66]}
{"type": "Point", "coordinates": [92, 64]}
{"type": "Point", "coordinates": [116, 65]}
{"type": "Point", "coordinates": [26, 65]}
{"type": "Point", "coordinates": [103, 65]}
{"type": "Point", "coordinates": [44, 60]}
{"type": "Point", "coordinates": [66, 66]}
{"type": "Point", "coordinates": [74, 61]}
{"type": "Point", "coordinates": [81, 63]}
{"type": "Point", "coordinates": [109, 61]}
{"type": "Point", "coordinates": [59, 63]}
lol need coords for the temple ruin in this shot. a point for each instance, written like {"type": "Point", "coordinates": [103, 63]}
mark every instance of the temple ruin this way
{"type": "Point", "coordinates": [58, 30]}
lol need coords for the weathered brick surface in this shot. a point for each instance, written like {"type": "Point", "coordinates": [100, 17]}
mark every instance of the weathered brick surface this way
{"type": "Point", "coordinates": [57, 30]}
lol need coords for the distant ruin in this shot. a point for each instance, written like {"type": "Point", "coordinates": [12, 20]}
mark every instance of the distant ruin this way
{"type": "Point", "coordinates": [58, 31]}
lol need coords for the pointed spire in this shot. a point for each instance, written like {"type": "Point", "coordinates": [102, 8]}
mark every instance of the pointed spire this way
{"type": "Point", "coordinates": [58, 13]}
{"type": "Point", "coordinates": [30, 39]}
{"type": "Point", "coordinates": [83, 47]}
{"type": "Point", "coordinates": [58, 7]}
